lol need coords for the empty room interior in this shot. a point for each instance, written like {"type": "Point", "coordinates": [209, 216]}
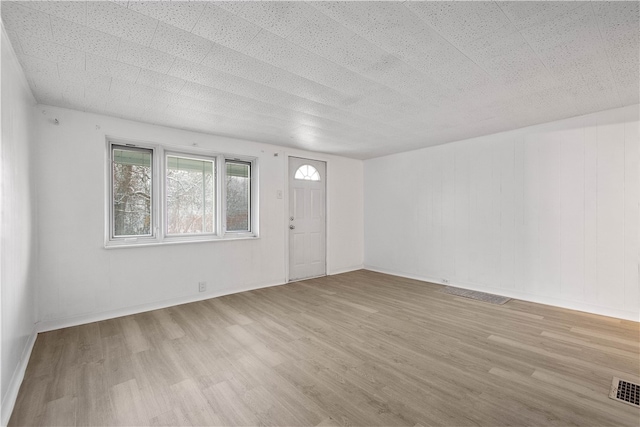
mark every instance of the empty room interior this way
{"type": "Point", "coordinates": [317, 213]}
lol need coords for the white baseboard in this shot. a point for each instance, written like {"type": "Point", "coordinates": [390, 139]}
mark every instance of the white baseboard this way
{"type": "Point", "coordinates": [524, 296]}
{"type": "Point", "coordinates": [346, 270]}
{"type": "Point", "coordinates": [51, 325]}
{"type": "Point", "coordinates": [10, 397]}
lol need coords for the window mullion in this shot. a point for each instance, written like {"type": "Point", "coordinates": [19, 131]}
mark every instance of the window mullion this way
{"type": "Point", "coordinates": [222, 211]}
{"type": "Point", "coordinates": [204, 199]}
{"type": "Point", "coordinates": [161, 205]}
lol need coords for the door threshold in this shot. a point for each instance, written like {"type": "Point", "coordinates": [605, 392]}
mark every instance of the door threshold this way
{"type": "Point", "coordinates": [306, 278]}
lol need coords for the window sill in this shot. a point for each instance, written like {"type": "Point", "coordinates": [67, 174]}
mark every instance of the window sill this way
{"type": "Point", "coordinates": [124, 245]}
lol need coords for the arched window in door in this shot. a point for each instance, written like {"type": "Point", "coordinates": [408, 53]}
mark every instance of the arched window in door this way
{"type": "Point", "coordinates": [307, 172]}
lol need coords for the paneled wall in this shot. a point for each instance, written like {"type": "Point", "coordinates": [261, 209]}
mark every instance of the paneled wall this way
{"type": "Point", "coordinates": [17, 228]}
{"type": "Point", "coordinates": [547, 213]}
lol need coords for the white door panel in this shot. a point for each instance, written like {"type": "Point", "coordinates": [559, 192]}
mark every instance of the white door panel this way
{"type": "Point", "coordinates": [298, 256]}
{"type": "Point", "coordinates": [307, 222]}
{"type": "Point", "coordinates": [298, 203]}
{"type": "Point", "coordinates": [316, 248]}
{"type": "Point", "coordinates": [317, 204]}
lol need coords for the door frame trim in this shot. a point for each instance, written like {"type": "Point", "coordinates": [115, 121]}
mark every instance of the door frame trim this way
{"type": "Point", "coordinates": [287, 275]}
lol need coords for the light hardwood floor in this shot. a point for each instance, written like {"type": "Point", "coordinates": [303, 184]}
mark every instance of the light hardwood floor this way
{"type": "Point", "coordinates": [359, 348]}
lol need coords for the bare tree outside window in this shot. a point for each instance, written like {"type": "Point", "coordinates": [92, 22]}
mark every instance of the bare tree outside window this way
{"type": "Point", "coordinates": [238, 196]}
{"type": "Point", "coordinates": [131, 191]}
{"type": "Point", "coordinates": [190, 195]}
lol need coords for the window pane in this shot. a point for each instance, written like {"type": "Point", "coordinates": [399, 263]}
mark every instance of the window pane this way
{"type": "Point", "coordinates": [307, 172]}
{"type": "Point", "coordinates": [238, 196]}
{"type": "Point", "coordinates": [190, 195]}
{"type": "Point", "coordinates": [131, 191]}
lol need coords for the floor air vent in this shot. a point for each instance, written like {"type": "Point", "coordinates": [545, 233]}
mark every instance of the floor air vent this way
{"type": "Point", "coordinates": [625, 391]}
{"type": "Point", "coordinates": [480, 296]}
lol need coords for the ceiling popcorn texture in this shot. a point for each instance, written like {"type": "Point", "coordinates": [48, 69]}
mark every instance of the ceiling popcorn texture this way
{"type": "Point", "coordinates": [359, 79]}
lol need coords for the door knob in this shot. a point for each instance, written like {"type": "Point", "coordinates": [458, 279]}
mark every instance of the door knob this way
{"type": "Point", "coordinates": [291, 227]}
{"type": "Point", "coordinates": [290, 218]}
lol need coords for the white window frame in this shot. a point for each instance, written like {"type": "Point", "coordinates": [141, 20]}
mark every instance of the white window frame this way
{"type": "Point", "coordinates": [252, 199]}
{"type": "Point", "coordinates": [159, 196]}
{"type": "Point", "coordinates": [165, 210]}
{"type": "Point", "coordinates": [155, 196]}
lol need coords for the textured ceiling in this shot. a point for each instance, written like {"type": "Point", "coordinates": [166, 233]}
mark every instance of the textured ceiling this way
{"type": "Point", "coordinates": [360, 79]}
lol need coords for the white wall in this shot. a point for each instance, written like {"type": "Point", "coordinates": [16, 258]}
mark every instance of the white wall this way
{"type": "Point", "coordinates": [345, 209]}
{"type": "Point", "coordinates": [17, 228]}
{"type": "Point", "coordinates": [547, 213]}
{"type": "Point", "coordinates": [80, 280]}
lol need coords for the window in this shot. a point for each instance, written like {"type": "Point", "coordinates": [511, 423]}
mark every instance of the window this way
{"type": "Point", "coordinates": [132, 196]}
{"type": "Point", "coordinates": [160, 195]}
{"type": "Point", "coordinates": [191, 195]}
{"type": "Point", "coordinates": [307, 172]}
{"type": "Point", "coordinates": [238, 187]}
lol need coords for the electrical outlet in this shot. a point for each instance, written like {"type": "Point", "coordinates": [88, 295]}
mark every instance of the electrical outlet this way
{"type": "Point", "coordinates": [202, 286]}
{"type": "Point", "coordinates": [445, 280]}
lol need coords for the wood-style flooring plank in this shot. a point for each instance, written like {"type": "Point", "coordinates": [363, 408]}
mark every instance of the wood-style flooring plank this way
{"type": "Point", "coordinates": [359, 348]}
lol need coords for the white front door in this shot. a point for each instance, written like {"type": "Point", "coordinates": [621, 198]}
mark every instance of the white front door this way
{"type": "Point", "coordinates": [307, 224]}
